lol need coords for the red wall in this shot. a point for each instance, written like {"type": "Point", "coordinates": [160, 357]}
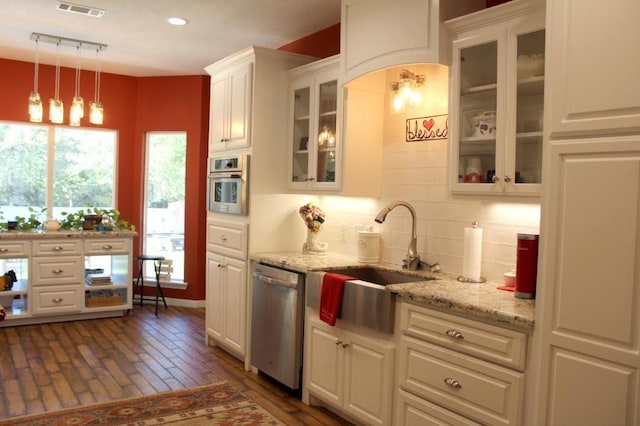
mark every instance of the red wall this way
{"type": "Point", "coordinates": [134, 106]}
{"type": "Point", "coordinates": [322, 44]}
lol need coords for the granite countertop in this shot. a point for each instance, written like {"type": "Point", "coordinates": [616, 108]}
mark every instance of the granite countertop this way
{"type": "Point", "coordinates": [477, 300]}
{"type": "Point", "coordinates": [42, 235]}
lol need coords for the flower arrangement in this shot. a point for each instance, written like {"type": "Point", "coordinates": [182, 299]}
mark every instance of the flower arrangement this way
{"type": "Point", "coordinates": [313, 216]}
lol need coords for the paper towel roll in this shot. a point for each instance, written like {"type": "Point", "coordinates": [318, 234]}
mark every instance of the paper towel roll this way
{"type": "Point", "coordinates": [472, 260]}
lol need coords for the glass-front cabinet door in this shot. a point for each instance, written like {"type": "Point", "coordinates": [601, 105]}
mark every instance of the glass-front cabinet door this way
{"type": "Point", "coordinates": [313, 138]}
{"type": "Point", "coordinates": [497, 97]}
{"type": "Point", "coordinates": [327, 126]}
{"type": "Point", "coordinates": [301, 158]}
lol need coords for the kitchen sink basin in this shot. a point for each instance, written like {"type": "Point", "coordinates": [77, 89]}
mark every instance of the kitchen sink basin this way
{"type": "Point", "coordinates": [365, 300]}
{"type": "Point", "coordinates": [378, 276]}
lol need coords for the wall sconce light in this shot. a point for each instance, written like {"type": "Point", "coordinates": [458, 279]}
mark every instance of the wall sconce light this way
{"type": "Point", "coordinates": [96, 110]}
{"type": "Point", "coordinates": [76, 112]}
{"type": "Point", "coordinates": [35, 103]}
{"type": "Point", "coordinates": [406, 91]}
{"type": "Point", "coordinates": [56, 106]}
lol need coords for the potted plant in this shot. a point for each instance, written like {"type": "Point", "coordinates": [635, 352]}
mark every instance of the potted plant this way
{"type": "Point", "coordinates": [32, 221]}
{"type": "Point", "coordinates": [93, 216]}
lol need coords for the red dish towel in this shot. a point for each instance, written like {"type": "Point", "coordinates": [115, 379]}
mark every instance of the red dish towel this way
{"type": "Point", "coordinates": [331, 296]}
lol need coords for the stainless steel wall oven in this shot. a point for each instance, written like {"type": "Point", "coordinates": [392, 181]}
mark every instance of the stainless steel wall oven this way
{"type": "Point", "coordinates": [228, 182]}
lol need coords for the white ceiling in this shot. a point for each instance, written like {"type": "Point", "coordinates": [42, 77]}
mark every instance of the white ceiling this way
{"type": "Point", "coordinates": [140, 42]}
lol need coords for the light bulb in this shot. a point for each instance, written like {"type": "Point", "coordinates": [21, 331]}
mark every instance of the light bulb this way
{"type": "Point", "coordinates": [96, 113]}
{"type": "Point", "coordinates": [76, 112]}
{"type": "Point", "coordinates": [56, 111]}
{"type": "Point", "coordinates": [35, 108]}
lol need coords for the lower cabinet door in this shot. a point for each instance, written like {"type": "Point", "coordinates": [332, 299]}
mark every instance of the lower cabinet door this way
{"type": "Point", "coordinates": [57, 299]}
{"type": "Point", "coordinates": [414, 411]}
{"type": "Point", "coordinates": [326, 366]}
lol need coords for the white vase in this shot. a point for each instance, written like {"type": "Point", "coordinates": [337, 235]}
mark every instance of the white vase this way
{"type": "Point", "coordinates": [312, 245]}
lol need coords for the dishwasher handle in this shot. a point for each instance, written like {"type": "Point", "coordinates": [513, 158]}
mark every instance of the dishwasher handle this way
{"type": "Point", "coordinates": [274, 281]}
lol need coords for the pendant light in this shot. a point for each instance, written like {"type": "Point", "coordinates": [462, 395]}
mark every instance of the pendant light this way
{"type": "Point", "coordinates": [56, 107]}
{"type": "Point", "coordinates": [35, 103]}
{"type": "Point", "coordinates": [76, 112]}
{"type": "Point", "coordinates": [96, 111]}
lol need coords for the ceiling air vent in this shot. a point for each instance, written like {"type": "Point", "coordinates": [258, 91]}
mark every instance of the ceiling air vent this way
{"type": "Point", "coordinates": [80, 9]}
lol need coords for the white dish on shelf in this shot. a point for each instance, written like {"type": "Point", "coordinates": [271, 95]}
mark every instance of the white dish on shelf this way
{"type": "Point", "coordinates": [530, 66]}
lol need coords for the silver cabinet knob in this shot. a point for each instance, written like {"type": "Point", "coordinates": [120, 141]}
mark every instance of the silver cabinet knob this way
{"type": "Point", "coordinates": [57, 300]}
{"type": "Point", "coordinates": [57, 271]}
{"type": "Point", "coordinates": [338, 342]}
{"type": "Point", "coordinates": [495, 179]}
{"type": "Point", "coordinates": [507, 179]}
{"type": "Point", "coordinates": [455, 334]}
{"type": "Point", "coordinates": [4, 250]}
{"type": "Point", "coordinates": [107, 247]}
{"type": "Point", "coordinates": [57, 248]}
{"type": "Point", "coordinates": [452, 383]}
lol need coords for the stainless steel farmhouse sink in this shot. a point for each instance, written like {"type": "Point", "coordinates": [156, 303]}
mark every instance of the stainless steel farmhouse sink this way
{"type": "Point", "coordinates": [365, 301]}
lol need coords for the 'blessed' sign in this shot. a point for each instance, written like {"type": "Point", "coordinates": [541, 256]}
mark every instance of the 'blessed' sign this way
{"type": "Point", "coordinates": [427, 128]}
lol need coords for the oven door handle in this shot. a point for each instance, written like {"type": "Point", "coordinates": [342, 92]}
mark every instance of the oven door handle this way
{"type": "Point", "coordinates": [274, 281]}
{"type": "Point", "coordinates": [225, 176]}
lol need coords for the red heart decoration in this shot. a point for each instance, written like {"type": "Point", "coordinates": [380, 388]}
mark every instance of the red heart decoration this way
{"type": "Point", "coordinates": [428, 124]}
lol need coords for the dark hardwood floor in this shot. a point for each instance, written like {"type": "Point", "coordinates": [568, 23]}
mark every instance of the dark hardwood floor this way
{"type": "Point", "coordinates": [53, 366]}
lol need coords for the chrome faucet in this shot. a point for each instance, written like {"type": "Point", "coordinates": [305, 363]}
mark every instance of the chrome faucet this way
{"type": "Point", "coordinates": [413, 258]}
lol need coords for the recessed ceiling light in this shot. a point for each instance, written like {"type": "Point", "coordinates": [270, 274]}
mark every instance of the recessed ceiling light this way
{"type": "Point", "coordinates": [80, 9]}
{"type": "Point", "coordinates": [174, 20]}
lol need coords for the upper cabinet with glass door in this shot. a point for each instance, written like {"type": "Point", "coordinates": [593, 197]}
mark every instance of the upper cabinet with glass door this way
{"type": "Point", "coordinates": [314, 146]}
{"type": "Point", "coordinates": [497, 94]}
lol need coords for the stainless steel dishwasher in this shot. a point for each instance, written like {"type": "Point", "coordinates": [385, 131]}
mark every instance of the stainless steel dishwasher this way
{"type": "Point", "coordinates": [277, 322]}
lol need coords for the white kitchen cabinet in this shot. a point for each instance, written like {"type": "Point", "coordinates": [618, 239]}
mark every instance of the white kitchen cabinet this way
{"type": "Point", "coordinates": [497, 100]}
{"type": "Point", "coordinates": [353, 372]}
{"type": "Point", "coordinates": [377, 34]}
{"type": "Point", "coordinates": [230, 105]}
{"type": "Point", "coordinates": [53, 276]}
{"type": "Point", "coordinates": [595, 89]}
{"type": "Point", "coordinates": [458, 371]}
{"type": "Point", "coordinates": [226, 303]}
{"type": "Point", "coordinates": [57, 277]}
{"type": "Point", "coordinates": [587, 315]}
{"type": "Point", "coordinates": [226, 290]}
{"type": "Point", "coordinates": [315, 149]}
{"type": "Point", "coordinates": [14, 255]}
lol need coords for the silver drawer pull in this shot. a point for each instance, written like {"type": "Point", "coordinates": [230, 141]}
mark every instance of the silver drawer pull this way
{"type": "Point", "coordinates": [4, 250]}
{"type": "Point", "coordinates": [455, 334]}
{"type": "Point", "coordinates": [223, 237]}
{"type": "Point", "coordinates": [57, 271]}
{"type": "Point", "coordinates": [338, 342]}
{"type": "Point", "coordinates": [57, 300]}
{"type": "Point", "coordinates": [107, 247]}
{"type": "Point", "coordinates": [221, 265]}
{"type": "Point", "coordinates": [57, 248]}
{"type": "Point", "coordinates": [345, 345]}
{"type": "Point", "coordinates": [452, 383]}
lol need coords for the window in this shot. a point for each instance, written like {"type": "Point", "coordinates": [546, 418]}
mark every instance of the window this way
{"type": "Point", "coordinates": [55, 168]}
{"type": "Point", "coordinates": [164, 192]}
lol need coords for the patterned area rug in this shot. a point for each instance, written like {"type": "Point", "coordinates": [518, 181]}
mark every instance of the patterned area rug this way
{"type": "Point", "coordinates": [219, 403]}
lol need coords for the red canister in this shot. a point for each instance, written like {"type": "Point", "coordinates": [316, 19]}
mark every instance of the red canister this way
{"type": "Point", "coordinates": [526, 266]}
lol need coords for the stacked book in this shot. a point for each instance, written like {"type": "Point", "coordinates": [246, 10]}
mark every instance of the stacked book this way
{"type": "Point", "coordinates": [98, 279]}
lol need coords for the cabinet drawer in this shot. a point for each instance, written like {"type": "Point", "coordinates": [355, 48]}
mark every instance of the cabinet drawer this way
{"type": "Point", "coordinates": [14, 249]}
{"type": "Point", "coordinates": [106, 246]}
{"type": "Point", "coordinates": [482, 391]}
{"type": "Point", "coordinates": [57, 247]}
{"type": "Point", "coordinates": [58, 270]}
{"type": "Point", "coordinates": [414, 411]}
{"type": "Point", "coordinates": [228, 238]}
{"type": "Point", "coordinates": [52, 300]}
{"type": "Point", "coordinates": [495, 344]}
